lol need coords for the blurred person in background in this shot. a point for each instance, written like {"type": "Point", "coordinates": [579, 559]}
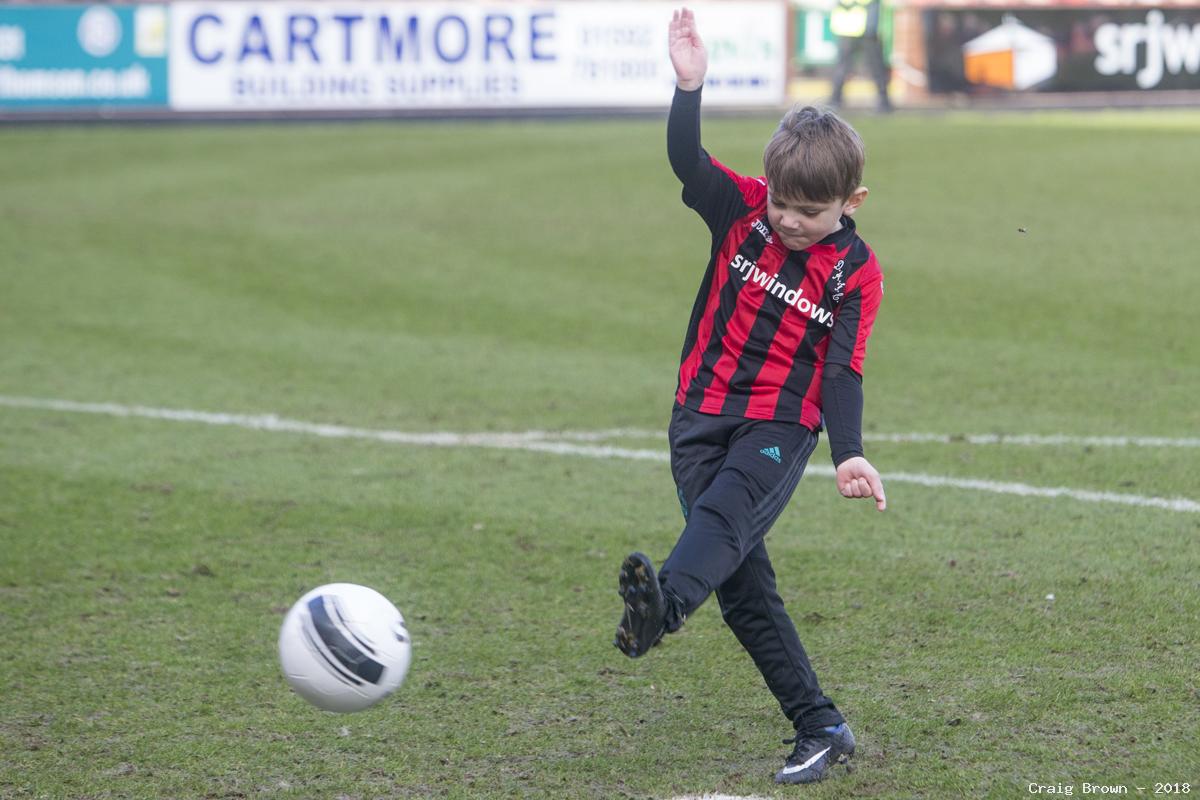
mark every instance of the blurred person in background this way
{"type": "Point", "coordinates": [855, 23]}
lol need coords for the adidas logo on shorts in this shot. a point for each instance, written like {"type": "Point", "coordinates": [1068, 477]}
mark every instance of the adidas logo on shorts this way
{"type": "Point", "coordinates": [772, 453]}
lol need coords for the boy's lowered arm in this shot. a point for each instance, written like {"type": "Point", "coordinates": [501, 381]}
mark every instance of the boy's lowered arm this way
{"type": "Point", "coordinates": [842, 404]}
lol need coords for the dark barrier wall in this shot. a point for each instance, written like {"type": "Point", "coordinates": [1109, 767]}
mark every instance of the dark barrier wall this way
{"type": "Point", "coordinates": [988, 51]}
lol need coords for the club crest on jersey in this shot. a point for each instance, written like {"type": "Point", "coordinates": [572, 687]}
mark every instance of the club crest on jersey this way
{"type": "Point", "coordinates": [837, 281]}
{"type": "Point", "coordinates": [749, 271]}
{"type": "Point", "coordinates": [761, 228]}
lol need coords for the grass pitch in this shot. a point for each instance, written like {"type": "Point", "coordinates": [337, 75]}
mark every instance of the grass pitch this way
{"type": "Point", "coordinates": [503, 277]}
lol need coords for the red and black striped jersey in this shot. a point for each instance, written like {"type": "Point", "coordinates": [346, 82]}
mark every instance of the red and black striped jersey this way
{"type": "Point", "coordinates": [766, 319]}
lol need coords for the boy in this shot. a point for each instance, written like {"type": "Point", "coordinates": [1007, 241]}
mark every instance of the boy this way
{"type": "Point", "coordinates": [776, 341]}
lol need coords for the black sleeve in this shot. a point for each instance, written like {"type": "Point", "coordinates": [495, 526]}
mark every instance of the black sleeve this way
{"type": "Point", "coordinates": [842, 405]}
{"type": "Point", "coordinates": [710, 191]}
{"type": "Point", "coordinates": [683, 135]}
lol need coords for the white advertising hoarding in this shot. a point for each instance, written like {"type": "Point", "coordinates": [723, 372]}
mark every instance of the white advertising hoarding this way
{"type": "Point", "coordinates": [279, 55]}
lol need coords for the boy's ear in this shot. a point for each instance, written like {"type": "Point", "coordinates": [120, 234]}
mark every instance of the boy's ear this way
{"type": "Point", "coordinates": [854, 201]}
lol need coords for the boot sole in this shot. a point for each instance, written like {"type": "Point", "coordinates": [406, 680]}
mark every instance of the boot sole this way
{"type": "Point", "coordinates": [634, 585]}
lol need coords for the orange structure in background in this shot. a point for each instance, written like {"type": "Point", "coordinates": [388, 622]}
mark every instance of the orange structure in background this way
{"type": "Point", "coordinates": [992, 69]}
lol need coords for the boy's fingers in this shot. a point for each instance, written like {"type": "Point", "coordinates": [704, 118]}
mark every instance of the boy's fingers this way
{"type": "Point", "coordinates": [877, 493]}
{"type": "Point", "coordinates": [865, 486]}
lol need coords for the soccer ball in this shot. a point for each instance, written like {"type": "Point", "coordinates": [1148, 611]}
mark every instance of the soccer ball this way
{"type": "Point", "coordinates": [344, 647]}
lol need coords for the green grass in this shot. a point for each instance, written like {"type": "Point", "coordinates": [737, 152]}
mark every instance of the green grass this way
{"type": "Point", "coordinates": [514, 276]}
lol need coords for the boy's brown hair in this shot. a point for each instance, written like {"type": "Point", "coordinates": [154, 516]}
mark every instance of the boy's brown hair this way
{"type": "Point", "coordinates": [814, 155]}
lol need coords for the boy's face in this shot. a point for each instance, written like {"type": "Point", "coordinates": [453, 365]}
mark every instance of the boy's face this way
{"type": "Point", "coordinates": [800, 223]}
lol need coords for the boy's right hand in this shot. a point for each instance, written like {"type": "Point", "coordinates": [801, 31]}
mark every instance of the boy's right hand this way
{"type": "Point", "coordinates": [688, 55]}
{"type": "Point", "coordinates": [857, 478]}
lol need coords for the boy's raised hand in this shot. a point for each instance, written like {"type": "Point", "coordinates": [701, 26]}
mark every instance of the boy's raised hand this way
{"type": "Point", "coordinates": [688, 55]}
{"type": "Point", "coordinates": [857, 478]}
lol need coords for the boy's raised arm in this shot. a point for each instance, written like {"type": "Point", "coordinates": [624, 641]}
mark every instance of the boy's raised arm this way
{"type": "Point", "coordinates": [690, 61]}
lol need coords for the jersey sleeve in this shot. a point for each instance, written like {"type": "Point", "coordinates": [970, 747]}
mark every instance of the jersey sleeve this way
{"type": "Point", "coordinates": [718, 194]}
{"type": "Point", "coordinates": [842, 407]}
{"type": "Point", "coordinates": [856, 317]}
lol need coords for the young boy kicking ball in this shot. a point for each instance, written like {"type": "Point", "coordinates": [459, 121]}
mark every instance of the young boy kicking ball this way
{"type": "Point", "coordinates": [774, 348]}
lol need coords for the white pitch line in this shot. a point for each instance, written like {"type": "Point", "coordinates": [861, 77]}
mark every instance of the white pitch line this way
{"type": "Point", "coordinates": [1031, 439]}
{"type": "Point", "coordinates": [1021, 439]}
{"type": "Point", "coordinates": [1025, 490]}
{"type": "Point", "coordinates": [601, 435]}
{"type": "Point", "coordinates": [533, 440]}
{"type": "Point", "coordinates": [538, 441]}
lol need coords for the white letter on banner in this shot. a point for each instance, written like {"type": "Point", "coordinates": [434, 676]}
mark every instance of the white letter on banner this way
{"type": "Point", "coordinates": [1181, 48]}
{"type": "Point", "coordinates": [1149, 75]}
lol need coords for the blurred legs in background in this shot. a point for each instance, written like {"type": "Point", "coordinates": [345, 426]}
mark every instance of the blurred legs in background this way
{"type": "Point", "coordinates": [848, 47]}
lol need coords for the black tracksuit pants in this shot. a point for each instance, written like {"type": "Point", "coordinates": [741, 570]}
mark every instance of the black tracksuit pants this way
{"type": "Point", "coordinates": [734, 477]}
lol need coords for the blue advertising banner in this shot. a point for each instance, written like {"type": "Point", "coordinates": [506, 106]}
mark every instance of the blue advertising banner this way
{"type": "Point", "coordinates": [83, 56]}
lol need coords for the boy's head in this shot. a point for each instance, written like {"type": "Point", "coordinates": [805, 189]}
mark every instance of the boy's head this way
{"type": "Point", "coordinates": [814, 166]}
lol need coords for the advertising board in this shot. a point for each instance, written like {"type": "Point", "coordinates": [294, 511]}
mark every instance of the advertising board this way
{"type": "Point", "coordinates": [80, 55]}
{"type": "Point", "coordinates": [980, 51]}
{"type": "Point", "coordinates": [283, 55]}
{"type": "Point", "coordinates": [814, 42]}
